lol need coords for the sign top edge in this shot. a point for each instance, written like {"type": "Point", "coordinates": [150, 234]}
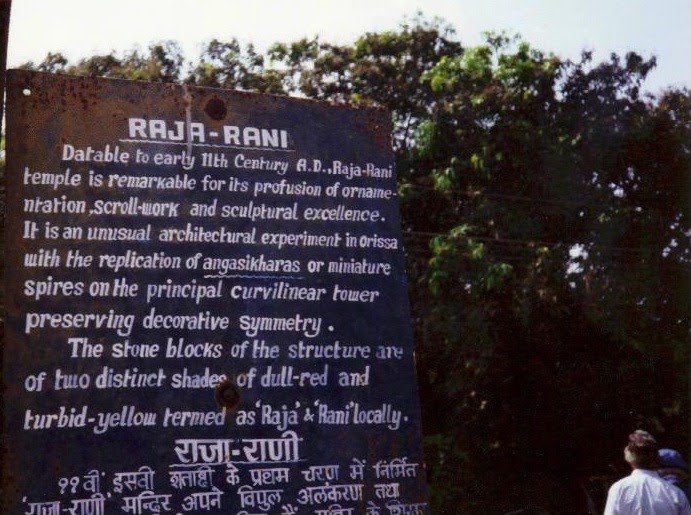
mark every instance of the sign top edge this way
{"type": "Point", "coordinates": [17, 75]}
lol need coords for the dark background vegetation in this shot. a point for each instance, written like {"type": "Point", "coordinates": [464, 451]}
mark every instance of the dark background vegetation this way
{"type": "Point", "coordinates": [546, 222]}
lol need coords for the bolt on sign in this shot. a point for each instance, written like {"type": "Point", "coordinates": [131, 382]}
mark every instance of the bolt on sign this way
{"type": "Point", "coordinates": [206, 305]}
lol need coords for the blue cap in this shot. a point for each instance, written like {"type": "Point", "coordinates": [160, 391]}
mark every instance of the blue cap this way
{"type": "Point", "coordinates": [672, 459]}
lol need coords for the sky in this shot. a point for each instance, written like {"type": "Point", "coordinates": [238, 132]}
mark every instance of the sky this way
{"type": "Point", "coordinates": [79, 28]}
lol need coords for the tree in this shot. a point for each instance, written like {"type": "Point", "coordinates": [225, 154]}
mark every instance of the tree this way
{"type": "Point", "coordinates": [161, 62]}
{"type": "Point", "coordinates": [225, 65]}
{"type": "Point", "coordinates": [559, 195]}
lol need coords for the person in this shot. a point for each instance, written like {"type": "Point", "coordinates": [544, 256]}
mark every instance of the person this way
{"type": "Point", "coordinates": [674, 469]}
{"type": "Point", "coordinates": [644, 492]}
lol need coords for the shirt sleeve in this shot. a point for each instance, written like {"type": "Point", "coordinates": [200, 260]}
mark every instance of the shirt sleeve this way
{"type": "Point", "coordinates": [685, 508]}
{"type": "Point", "coordinates": [612, 506]}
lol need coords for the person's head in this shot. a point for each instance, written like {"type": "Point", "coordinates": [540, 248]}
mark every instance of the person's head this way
{"type": "Point", "coordinates": [672, 465]}
{"type": "Point", "coordinates": [641, 451]}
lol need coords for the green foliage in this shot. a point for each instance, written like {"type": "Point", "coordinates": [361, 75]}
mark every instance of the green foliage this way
{"type": "Point", "coordinates": [441, 449]}
{"type": "Point", "coordinates": [161, 62]}
{"type": "Point", "coordinates": [226, 65]}
{"type": "Point", "coordinates": [545, 203]}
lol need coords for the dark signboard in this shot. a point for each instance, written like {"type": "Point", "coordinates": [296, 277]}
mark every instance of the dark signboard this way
{"type": "Point", "coordinates": [206, 305]}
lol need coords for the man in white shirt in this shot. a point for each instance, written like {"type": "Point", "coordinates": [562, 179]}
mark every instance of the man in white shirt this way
{"type": "Point", "coordinates": [644, 492]}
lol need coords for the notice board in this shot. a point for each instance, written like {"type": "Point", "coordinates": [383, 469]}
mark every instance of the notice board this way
{"type": "Point", "coordinates": [206, 305]}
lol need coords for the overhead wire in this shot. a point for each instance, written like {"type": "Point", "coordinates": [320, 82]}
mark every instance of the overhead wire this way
{"type": "Point", "coordinates": [521, 253]}
{"type": "Point", "coordinates": [511, 196]}
{"type": "Point", "coordinates": [473, 194]}
{"type": "Point", "coordinates": [519, 241]}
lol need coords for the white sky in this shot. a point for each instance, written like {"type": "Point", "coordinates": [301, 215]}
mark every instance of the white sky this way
{"type": "Point", "coordinates": [79, 28]}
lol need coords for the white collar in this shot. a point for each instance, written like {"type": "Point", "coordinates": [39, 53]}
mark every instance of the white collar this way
{"type": "Point", "coordinates": [645, 472]}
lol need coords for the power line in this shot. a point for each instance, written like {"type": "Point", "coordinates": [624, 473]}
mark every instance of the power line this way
{"type": "Point", "coordinates": [416, 249]}
{"type": "Point", "coordinates": [518, 241]}
{"type": "Point", "coordinates": [474, 194]}
{"type": "Point", "coordinates": [522, 198]}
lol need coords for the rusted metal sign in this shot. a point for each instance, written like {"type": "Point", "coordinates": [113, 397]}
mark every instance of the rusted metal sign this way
{"type": "Point", "coordinates": [206, 305]}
